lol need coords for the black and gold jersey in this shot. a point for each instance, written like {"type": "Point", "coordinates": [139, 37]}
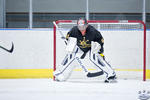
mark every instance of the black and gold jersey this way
{"type": "Point", "coordinates": [84, 41]}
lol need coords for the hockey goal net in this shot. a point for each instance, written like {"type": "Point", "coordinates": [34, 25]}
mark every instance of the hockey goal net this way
{"type": "Point", "coordinates": [124, 47]}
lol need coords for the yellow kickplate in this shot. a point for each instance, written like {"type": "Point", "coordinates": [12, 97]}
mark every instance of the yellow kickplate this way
{"type": "Point", "coordinates": [26, 73]}
{"type": "Point", "coordinates": [43, 73]}
{"type": "Point", "coordinates": [148, 74]}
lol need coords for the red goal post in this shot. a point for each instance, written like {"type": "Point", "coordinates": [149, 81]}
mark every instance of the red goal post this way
{"type": "Point", "coordinates": [105, 21]}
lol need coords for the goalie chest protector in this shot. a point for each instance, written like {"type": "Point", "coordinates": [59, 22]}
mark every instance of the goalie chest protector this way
{"type": "Point", "coordinates": [84, 41]}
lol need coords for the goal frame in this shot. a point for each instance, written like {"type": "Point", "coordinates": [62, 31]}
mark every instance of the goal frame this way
{"type": "Point", "coordinates": [103, 21]}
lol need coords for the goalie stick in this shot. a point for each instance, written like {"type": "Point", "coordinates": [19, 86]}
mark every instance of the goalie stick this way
{"type": "Point", "coordinates": [89, 74]}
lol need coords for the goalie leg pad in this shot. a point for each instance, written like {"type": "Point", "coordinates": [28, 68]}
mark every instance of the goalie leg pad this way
{"type": "Point", "coordinates": [58, 76]}
{"type": "Point", "coordinates": [64, 70]}
{"type": "Point", "coordinates": [102, 64]}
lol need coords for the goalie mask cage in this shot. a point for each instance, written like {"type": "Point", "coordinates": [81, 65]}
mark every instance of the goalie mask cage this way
{"type": "Point", "coordinates": [124, 46]}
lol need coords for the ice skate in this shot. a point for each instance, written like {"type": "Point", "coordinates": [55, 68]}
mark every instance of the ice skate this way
{"type": "Point", "coordinates": [111, 79]}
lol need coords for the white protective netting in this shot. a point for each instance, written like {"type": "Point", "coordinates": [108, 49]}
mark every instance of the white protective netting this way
{"type": "Point", "coordinates": [123, 44]}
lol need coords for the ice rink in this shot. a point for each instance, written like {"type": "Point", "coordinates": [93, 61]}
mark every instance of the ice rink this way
{"type": "Point", "coordinates": [47, 89]}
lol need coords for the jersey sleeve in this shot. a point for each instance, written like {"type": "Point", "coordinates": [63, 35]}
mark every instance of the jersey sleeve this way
{"type": "Point", "coordinates": [99, 38]}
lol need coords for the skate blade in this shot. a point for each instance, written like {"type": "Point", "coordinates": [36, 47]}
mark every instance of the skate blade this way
{"type": "Point", "coordinates": [110, 81]}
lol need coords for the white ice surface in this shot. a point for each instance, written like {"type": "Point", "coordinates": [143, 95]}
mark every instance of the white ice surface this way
{"type": "Point", "coordinates": [47, 89]}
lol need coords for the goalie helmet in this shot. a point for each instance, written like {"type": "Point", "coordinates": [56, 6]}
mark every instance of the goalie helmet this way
{"type": "Point", "coordinates": [82, 24]}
